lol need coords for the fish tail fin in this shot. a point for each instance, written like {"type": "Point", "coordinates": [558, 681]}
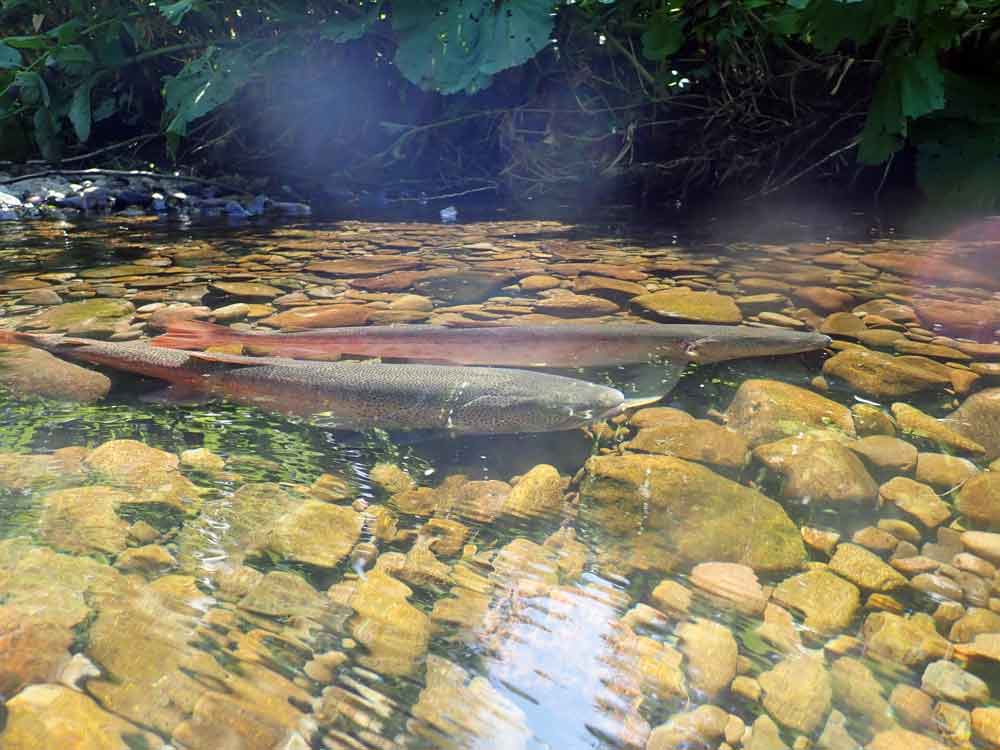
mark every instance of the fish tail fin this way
{"type": "Point", "coordinates": [195, 334]}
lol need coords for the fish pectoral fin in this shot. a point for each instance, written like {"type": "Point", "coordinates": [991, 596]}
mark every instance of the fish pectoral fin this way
{"type": "Point", "coordinates": [638, 403]}
{"type": "Point", "coordinates": [177, 395]}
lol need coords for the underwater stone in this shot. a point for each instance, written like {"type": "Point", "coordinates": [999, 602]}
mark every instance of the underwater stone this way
{"type": "Point", "coordinates": [768, 410]}
{"type": "Point", "coordinates": [700, 515]}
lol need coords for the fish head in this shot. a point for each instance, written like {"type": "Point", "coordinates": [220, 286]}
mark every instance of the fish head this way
{"type": "Point", "coordinates": [557, 404]}
{"type": "Point", "coordinates": [740, 342]}
{"type": "Point", "coordinates": [578, 406]}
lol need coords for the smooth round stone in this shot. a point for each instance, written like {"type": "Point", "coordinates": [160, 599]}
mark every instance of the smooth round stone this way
{"type": "Point", "coordinates": [983, 543]}
{"type": "Point", "coordinates": [602, 286]}
{"type": "Point", "coordinates": [937, 585]}
{"type": "Point", "coordinates": [944, 472]}
{"type": "Point", "coordinates": [732, 582]}
{"type": "Point", "coordinates": [871, 420]}
{"type": "Point", "coordinates": [986, 725]}
{"type": "Point", "coordinates": [973, 564]}
{"type": "Point", "coordinates": [821, 470]}
{"type": "Point", "coordinates": [948, 681]}
{"type": "Point", "coordinates": [875, 539]}
{"type": "Point", "coordinates": [842, 324]}
{"type": "Point", "coordinates": [900, 529]}
{"type": "Point", "coordinates": [882, 375]}
{"type": "Point", "coordinates": [934, 351]}
{"type": "Point", "coordinates": [230, 313]}
{"type": "Point", "coordinates": [823, 298]}
{"type": "Point", "coordinates": [41, 297]}
{"type": "Point", "coordinates": [886, 453]}
{"type": "Point", "coordinates": [247, 290]}
{"type": "Point", "coordinates": [367, 266]}
{"type": "Point", "coordinates": [828, 602]}
{"type": "Point", "coordinates": [576, 305]}
{"type": "Point", "coordinates": [879, 338]}
{"type": "Point", "coordinates": [915, 499]}
{"type": "Point", "coordinates": [979, 498]}
{"type": "Point", "coordinates": [913, 706]}
{"type": "Point", "coordinates": [777, 319]}
{"type": "Point", "coordinates": [821, 540]}
{"type": "Point", "coordinates": [685, 304]}
{"type": "Point", "coordinates": [539, 283]}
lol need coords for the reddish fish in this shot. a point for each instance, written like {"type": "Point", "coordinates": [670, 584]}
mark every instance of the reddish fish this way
{"type": "Point", "coordinates": [361, 395]}
{"type": "Point", "coordinates": [512, 346]}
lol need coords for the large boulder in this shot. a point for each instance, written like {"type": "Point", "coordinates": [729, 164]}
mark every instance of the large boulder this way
{"type": "Point", "coordinates": [26, 371]}
{"type": "Point", "coordinates": [882, 375]}
{"type": "Point", "coordinates": [768, 410]}
{"type": "Point", "coordinates": [699, 515]}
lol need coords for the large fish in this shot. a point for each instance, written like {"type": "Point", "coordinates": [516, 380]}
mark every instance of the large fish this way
{"type": "Point", "coordinates": [512, 346]}
{"type": "Point", "coordinates": [361, 395]}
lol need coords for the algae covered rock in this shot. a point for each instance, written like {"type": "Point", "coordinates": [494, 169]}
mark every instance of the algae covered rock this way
{"type": "Point", "coordinates": [828, 602]}
{"type": "Point", "coordinates": [314, 533]}
{"type": "Point", "coordinates": [797, 692]}
{"type": "Point", "coordinates": [84, 520]}
{"type": "Point", "coordinates": [821, 471]}
{"type": "Point", "coordinates": [686, 304]}
{"type": "Point", "coordinates": [699, 515]}
{"type": "Point", "coordinates": [672, 432]}
{"type": "Point", "coordinates": [538, 492]}
{"type": "Point", "coordinates": [395, 632]}
{"type": "Point", "coordinates": [26, 371]}
{"type": "Point", "coordinates": [911, 640]}
{"type": "Point", "coordinates": [979, 498]}
{"type": "Point", "coordinates": [978, 418]}
{"type": "Point", "coordinates": [711, 654]}
{"type": "Point", "coordinates": [882, 375]}
{"type": "Point", "coordinates": [865, 568]}
{"type": "Point", "coordinates": [767, 410]}
{"type": "Point", "coordinates": [55, 716]}
{"type": "Point", "coordinates": [92, 318]}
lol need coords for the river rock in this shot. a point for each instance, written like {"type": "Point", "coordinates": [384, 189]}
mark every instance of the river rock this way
{"type": "Point", "coordinates": [986, 725]}
{"type": "Point", "coordinates": [395, 632]}
{"type": "Point", "coordinates": [882, 375]}
{"type": "Point", "coordinates": [539, 492]}
{"type": "Point", "coordinates": [797, 692]}
{"type": "Point", "coordinates": [911, 641]}
{"type": "Point", "coordinates": [83, 520]}
{"type": "Point", "coordinates": [966, 319]}
{"type": "Point", "coordinates": [603, 286]}
{"type": "Point", "coordinates": [686, 304]}
{"type": "Point", "coordinates": [372, 265]}
{"type": "Point", "coordinates": [843, 324]}
{"type": "Point", "coordinates": [865, 569]}
{"type": "Point", "coordinates": [675, 433]}
{"type": "Point", "coordinates": [975, 621]}
{"type": "Point", "coordinates": [736, 584]}
{"type": "Point", "coordinates": [701, 515]}
{"type": "Point", "coordinates": [701, 728]}
{"type": "Point", "coordinates": [247, 290]}
{"type": "Point", "coordinates": [455, 286]}
{"type": "Point", "coordinates": [857, 691]}
{"type": "Point", "coordinates": [283, 594]}
{"type": "Point", "coordinates": [467, 710]}
{"type": "Point", "coordinates": [764, 735]}
{"type": "Point", "coordinates": [901, 739]}
{"type": "Point", "coordinates": [34, 648]}
{"type": "Point", "coordinates": [319, 316]}
{"type": "Point", "coordinates": [32, 471]}
{"type": "Point", "coordinates": [821, 471]}
{"type": "Point", "coordinates": [979, 498]}
{"type": "Point", "coordinates": [26, 371]}
{"type": "Point", "coordinates": [93, 318]}
{"type": "Point", "coordinates": [315, 533]}
{"type": "Point", "coordinates": [912, 420]}
{"type": "Point", "coordinates": [983, 543]}
{"type": "Point", "coordinates": [943, 472]}
{"type": "Point", "coordinates": [915, 499]}
{"type": "Point", "coordinates": [54, 716]}
{"type": "Point", "coordinates": [948, 681]}
{"type": "Point", "coordinates": [886, 453]}
{"type": "Point", "coordinates": [129, 463]}
{"type": "Point", "coordinates": [539, 283]}
{"type": "Point", "coordinates": [575, 306]}
{"type": "Point", "coordinates": [711, 654]}
{"type": "Point", "coordinates": [828, 602]}
{"type": "Point", "coordinates": [871, 420]}
{"type": "Point", "coordinates": [767, 410]}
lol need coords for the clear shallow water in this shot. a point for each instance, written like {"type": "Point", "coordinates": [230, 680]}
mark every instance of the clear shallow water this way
{"type": "Point", "coordinates": [289, 588]}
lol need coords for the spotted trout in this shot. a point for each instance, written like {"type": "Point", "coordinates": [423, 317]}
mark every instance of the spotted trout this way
{"type": "Point", "coordinates": [559, 346]}
{"type": "Point", "coordinates": [359, 395]}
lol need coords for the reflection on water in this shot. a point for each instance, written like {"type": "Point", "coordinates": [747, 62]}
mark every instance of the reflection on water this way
{"type": "Point", "coordinates": [783, 552]}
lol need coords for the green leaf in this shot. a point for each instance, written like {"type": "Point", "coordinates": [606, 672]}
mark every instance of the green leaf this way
{"type": "Point", "coordinates": [66, 33]}
{"type": "Point", "coordinates": [664, 37]}
{"type": "Point", "coordinates": [46, 134]}
{"type": "Point", "coordinates": [32, 87]}
{"type": "Point", "coordinates": [958, 163]}
{"type": "Point", "coordinates": [458, 45]}
{"type": "Point", "coordinates": [911, 87]}
{"type": "Point", "coordinates": [73, 59]}
{"type": "Point", "coordinates": [341, 28]}
{"type": "Point", "coordinates": [205, 84]}
{"type": "Point", "coordinates": [175, 12]}
{"type": "Point", "coordinates": [104, 109]}
{"type": "Point", "coordinates": [79, 111]}
{"type": "Point", "coordinates": [9, 57]}
{"type": "Point", "coordinates": [26, 42]}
